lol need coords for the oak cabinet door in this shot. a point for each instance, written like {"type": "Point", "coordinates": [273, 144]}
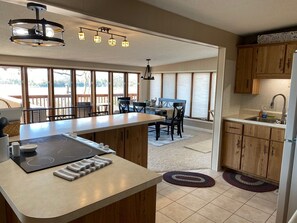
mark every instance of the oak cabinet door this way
{"type": "Point", "coordinates": [291, 47]}
{"type": "Point", "coordinates": [114, 138]}
{"type": "Point", "coordinates": [244, 72]}
{"type": "Point", "coordinates": [275, 161]}
{"type": "Point", "coordinates": [136, 144]}
{"type": "Point", "coordinates": [231, 150]}
{"type": "Point", "coordinates": [270, 59]}
{"type": "Point", "coordinates": [254, 158]}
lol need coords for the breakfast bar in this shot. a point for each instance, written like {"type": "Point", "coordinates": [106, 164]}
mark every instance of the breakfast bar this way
{"type": "Point", "coordinates": [120, 192]}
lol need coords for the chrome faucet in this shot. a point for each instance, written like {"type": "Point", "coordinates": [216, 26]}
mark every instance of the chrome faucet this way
{"type": "Point", "coordinates": [284, 115]}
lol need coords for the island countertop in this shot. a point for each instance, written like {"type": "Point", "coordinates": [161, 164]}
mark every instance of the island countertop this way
{"type": "Point", "coordinates": [86, 125]}
{"type": "Point", "coordinates": [42, 197]}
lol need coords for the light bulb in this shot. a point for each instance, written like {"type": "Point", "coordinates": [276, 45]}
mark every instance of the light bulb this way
{"type": "Point", "coordinates": [125, 43]}
{"type": "Point", "coordinates": [49, 32]}
{"type": "Point", "coordinates": [81, 35]}
{"type": "Point", "coordinates": [112, 41]}
{"type": "Point", "coordinates": [18, 31]}
{"type": "Point", "coordinates": [97, 39]}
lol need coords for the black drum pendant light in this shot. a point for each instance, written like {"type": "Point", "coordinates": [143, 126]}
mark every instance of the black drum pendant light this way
{"type": "Point", "coordinates": [36, 32]}
{"type": "Point", "coordinates": [148, 73]}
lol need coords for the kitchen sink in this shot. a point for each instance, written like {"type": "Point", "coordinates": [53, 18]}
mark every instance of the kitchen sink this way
{"type": "Point", "coordinates": [268, 120]}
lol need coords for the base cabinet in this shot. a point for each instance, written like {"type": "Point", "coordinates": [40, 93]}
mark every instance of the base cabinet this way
{"type": "Point", "coordinates": [231, 154]}
{"type": "Point", "coordinates": [254, 157]}
{"type": "Point", "coordinates": [139, 207]}
{"type": "Point", "coordinates": [253, 149]}
{"type": "Point", "coordinates": [130, 143]}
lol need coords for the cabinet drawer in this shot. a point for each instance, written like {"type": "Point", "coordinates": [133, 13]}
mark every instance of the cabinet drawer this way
{"type": "Point", "coordinates": [233, 127]}
{"type": "Point", "coordinates": [277, 134]}
{"type": "Point", "coordinates": [258, 131]}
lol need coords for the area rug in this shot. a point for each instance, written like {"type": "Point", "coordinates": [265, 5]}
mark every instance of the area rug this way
{"type": "Point", "coordinates": [188, 179]}
{"type": "Point", "coordinates": [164, 139]}
{"type": "Point", "coordinates": [203, 147]}
{"type": "Point", "coordinates": [247, 183]}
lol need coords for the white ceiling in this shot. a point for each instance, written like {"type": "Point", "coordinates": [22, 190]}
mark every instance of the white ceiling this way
{"type": "Point", "coordinates": [240, 17]}
{"type": "Point", "coordinates": [237, 16]}
{"type": "Point", "coordinates": [142, 46]}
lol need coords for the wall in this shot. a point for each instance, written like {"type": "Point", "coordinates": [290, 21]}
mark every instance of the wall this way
{"type": "Point", "coordinates": [209, 64]}
{"type": "Point", "coordinates": [268, 88]}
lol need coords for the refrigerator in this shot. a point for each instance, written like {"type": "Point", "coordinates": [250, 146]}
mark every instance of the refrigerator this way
{"type": "Point", "coordinates": [287, 197]}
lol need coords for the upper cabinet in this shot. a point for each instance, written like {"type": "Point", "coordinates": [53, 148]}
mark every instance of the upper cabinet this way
{"type": "Point", "coordinates": [270, 60]}
{"type": "Point", "coordinates": [262, 61]}
{"type": "Point", "coordinates": [291, 47]}
{"type": "Point", "coordinates": [244, 82]}
{"type": "Point", "coordinates": [274, 60]}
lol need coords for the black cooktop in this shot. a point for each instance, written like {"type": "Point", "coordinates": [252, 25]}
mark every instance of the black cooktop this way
{"type": "Point", "coordinates": [53, 151]}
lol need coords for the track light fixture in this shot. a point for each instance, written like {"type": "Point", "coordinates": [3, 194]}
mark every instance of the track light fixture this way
{"type": "Point", "coordinates": [148, 72]}
{"type": "Point", "coordinates": [105, 30]}
{"type": "Point", "coordinates": [36, 32]}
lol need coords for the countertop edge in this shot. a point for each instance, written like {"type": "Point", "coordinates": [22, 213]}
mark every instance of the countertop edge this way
{"type": "Point", "coordinates": [242, 119]}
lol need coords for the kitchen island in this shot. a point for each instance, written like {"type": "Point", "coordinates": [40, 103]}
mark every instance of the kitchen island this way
{"type": "Point", "coordinates": [120, 192]}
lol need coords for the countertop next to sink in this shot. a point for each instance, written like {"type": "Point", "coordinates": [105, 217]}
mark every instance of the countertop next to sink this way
{"type": "Point", "coordinates": [242, 119]}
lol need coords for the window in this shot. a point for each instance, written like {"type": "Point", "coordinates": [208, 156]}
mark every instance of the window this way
{"type": "Point", "coordinates": [133, 86]}
{"type": "Point", "coordinates": [62, 90]}
{"type": "Point", "coordinates": [83, 92]}
{"type": "Point", "coordinates": [184, 89]}
{"type": "Point", "coordinates": [168, 85]}
{"type": "Point", "coordinates": [11, 84]}
{"type": "Point", "coordinates": [155, 86]}
{"type": "Point", "coordinates": [118, 89]}
{"type": "Point", "coordinates": [198, 89]}
{"type": "Point", "coordinates": [38, 87]}
{"type": "Point", "coordinates": [102, 89]}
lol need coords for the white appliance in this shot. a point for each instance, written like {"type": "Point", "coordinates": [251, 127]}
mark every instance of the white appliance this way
{"type": "Point", "coordinates": [287, 200]}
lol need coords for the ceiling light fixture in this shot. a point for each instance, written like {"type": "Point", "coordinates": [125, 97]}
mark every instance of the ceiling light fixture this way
{"type": "Point", "coordinates": [36, 32]}
{"type": "Point", "coordinates": [105, 30]}
{"type": "Point", "coordinates": [148, 72]}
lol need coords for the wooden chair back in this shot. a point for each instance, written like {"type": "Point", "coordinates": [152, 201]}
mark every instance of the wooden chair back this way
{"type": "Point", "coordinates": [139, 107]}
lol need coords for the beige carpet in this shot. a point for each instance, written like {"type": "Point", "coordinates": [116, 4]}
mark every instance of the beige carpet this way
{"type": "Point", "coordinates": [203, 147]}
{"type": "Point", "coordinates": [175, 156]}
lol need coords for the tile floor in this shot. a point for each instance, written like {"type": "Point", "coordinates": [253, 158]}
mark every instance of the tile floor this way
{"type": "Point", "coordinates": [220, 203]}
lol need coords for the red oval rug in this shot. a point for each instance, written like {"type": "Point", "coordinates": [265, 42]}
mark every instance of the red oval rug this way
{"type": "Point", "coordinates": [247, 183]}
{"type": "Point", "coordinates": [188, 179]}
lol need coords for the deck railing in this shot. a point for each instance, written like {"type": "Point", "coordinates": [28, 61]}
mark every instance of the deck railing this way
{"type": "Point", "coordinates": [40, 112]}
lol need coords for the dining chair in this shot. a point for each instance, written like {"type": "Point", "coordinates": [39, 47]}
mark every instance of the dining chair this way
{"type": "Point", "coordinates": [175, 120]}
{"type": "Point", "coordinates": [124, 106]}
{"type": "Point", "coordinates": [139, 107]}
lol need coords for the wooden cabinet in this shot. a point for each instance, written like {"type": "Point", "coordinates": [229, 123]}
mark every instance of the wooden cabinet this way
{"type": "Point", "coordinates": [291, 47]}
{"type": "Point", "coordinates": [270, 60]}
{"type": "Point", "coordinates": [130, 143]}
{"type": "Point", "coordinates": [244, 82]}
{"type": "Point", "coordinates": [231, 149]}
{"type": "Point", "coordinates": [253, 149]}
{"type": "Point", "coordinates": [262, 61]}
{"type": "Point", "coordinates": [254, 156]}
{"type": "Point", "coordinates": [275, 154]}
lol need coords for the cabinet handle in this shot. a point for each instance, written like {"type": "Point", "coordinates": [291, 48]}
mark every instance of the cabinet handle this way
{"type": "Point", "coordinates": [289, 63]}
{"type": "Point", "coordinates": [233, 127]}
{"type": "Point", "coordinates": [238, 143]}
{"type": "Point", "coordinates": [272, 151]}
{"type": "Point", "coordinates": [280, 64]}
